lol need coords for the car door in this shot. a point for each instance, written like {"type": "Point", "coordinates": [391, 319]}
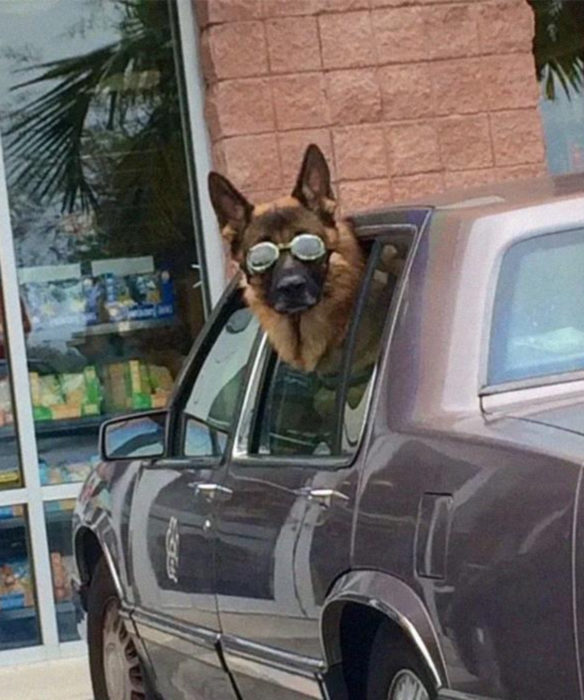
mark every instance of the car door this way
{"type": "Point", "coordinates": [171, 533]}
{"type": "Point", "coordinates": [284, 529]}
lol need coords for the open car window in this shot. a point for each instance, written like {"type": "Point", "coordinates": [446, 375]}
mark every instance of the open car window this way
{"type": "Point", "coordinates": [322, 413]}
{"type": "Point", "coordinates": [538, 319]}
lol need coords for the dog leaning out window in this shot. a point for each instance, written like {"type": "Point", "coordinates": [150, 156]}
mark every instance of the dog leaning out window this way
{"type": "Point", "coordinates": [322, 297]}
{"type": "Point", "coordinates": [322, 412]}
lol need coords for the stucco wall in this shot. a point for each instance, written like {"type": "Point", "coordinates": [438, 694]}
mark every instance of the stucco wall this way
{"type": "Point", "coordinates": [405, 97]}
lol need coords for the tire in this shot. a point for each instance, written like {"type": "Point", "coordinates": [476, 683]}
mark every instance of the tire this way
{"type": "Point", "coordinates": [116, 669]}
{"type": "Point", "coordinates": [395, 671]}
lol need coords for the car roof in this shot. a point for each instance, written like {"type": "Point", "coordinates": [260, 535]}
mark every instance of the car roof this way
{"type": "Point", "coordinates": [495, 198]}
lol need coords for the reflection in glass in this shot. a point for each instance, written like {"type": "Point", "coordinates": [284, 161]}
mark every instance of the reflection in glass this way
{"type": "Point", "coordinates": [137, 437]}
{"type": "Point", "coordinates": [19, 624]}
{"type": "Point", "coordinates": [100, 209]}
{"type": "Point", "coordinates": [58, 517]}
{"type": "Point", "coordinates": [10, 472]}
{"type": "Point", "coordinates": [211, 405]}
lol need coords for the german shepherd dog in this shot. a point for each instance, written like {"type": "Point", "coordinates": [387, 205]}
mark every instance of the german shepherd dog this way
{"type": "Point", "coordinates": [301, 266]}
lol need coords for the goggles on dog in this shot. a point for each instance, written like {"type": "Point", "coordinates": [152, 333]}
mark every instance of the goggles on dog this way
{"type": "Point", "coordinates": [306, 247]}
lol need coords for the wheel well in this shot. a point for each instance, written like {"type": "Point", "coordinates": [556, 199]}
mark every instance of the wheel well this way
{"type": "Point", "coordinates": [358, 625]}
{"type": "Point", "coordinates": [88, 552]}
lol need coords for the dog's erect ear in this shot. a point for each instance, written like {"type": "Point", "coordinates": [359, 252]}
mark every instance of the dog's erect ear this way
{"type": "Point", "coordinates": [231, 207]}
{"type": "Point", "coordinates": [313, 187]}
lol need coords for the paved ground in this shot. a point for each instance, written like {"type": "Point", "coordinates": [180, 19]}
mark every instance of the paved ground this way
{"type": "Point", "coordinates": [66, 679]}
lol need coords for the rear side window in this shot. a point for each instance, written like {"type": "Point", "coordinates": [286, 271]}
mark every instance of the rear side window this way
{"type": "Point", "coordinates": [322, 413]}
{"type": "Point", "coordinates": [538, 322]}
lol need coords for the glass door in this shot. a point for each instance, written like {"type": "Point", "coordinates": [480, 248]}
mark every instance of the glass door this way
{"type": "Point", "coordinates": [110, 289]}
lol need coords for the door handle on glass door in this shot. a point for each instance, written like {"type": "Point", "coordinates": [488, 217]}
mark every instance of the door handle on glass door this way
{"type": "Point", "coordinates": [213, 492]}
{"type": "Point", "coordinates": [325, 497]}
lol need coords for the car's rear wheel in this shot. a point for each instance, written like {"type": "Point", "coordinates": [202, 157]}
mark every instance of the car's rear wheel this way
{"type": "Point", "coordinates": [116, 670]}
{"type": "Point", "coordinates": [395, 671]}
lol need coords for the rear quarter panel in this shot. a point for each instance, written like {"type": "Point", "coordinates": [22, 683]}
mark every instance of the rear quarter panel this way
{"type": "Point", "coordinates": [497, 574]}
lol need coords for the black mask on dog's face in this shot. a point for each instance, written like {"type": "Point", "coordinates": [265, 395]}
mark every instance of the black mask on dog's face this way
{"type": "Point", "coordinates": [289, 260]}
{"type": "Point", "coordinates": [283, 248]}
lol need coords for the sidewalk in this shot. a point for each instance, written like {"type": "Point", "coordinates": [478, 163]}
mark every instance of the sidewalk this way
{"type": "Point", "coordinates": [66, 679]}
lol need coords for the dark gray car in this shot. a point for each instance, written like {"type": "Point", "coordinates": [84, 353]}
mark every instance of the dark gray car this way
{"type": "Point", "coordinates": [406, 526]}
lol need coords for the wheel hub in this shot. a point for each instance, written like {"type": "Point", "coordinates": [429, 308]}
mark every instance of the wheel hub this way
{"type": "Point", "coordinates": [121, 664]}
{"type": "Point", "coordinates": [407, 686]}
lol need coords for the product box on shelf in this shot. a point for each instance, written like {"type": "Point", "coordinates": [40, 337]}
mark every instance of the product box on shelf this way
{"type": "Point", "coordinates": [68, 395]}
{"type": "Point", "coordinates": [65, 472]}
{"type": "Point", "coordinates": [119, 289]}
{"type": "Point", "coordinates": [134, 290]}
{"type": "Point", "coordinates": [6, 415]}
{"type": "Point", "coordinates": [54, 296]}
{"type": "Point", "coordinates": [136, 385]}
{"type": "Point", "coordinates": [15, 585]}
{"type": "Point", "coordinates": [60, 567]}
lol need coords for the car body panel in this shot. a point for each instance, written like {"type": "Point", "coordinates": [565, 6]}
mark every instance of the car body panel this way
{"type": "Point", "coordinates": [463, 522]}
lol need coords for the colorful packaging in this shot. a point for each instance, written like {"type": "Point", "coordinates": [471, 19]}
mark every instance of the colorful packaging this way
{"type": "Point", "coordinates": [136, 385]}
{"type": "Point", "coordinates": [63, 396]}
{"type": "Point", "coordinates": [15, 585]}
{"type": "Point", "coordinates": [135, 297]}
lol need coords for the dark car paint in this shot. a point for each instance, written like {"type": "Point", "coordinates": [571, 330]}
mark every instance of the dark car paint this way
{"type": "Point", "coordinates": [463, 525]}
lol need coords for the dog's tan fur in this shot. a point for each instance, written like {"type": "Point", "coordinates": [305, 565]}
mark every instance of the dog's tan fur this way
{"type": "Point", "coordinates": [306, 339]}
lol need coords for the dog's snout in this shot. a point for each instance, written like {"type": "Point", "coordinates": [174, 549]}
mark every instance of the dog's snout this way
{"type": "Point", "coordinates": [291, 284]}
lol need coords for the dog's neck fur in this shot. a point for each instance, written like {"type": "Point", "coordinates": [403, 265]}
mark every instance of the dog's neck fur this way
{"type": "Point", "coordinates": [304, 340]}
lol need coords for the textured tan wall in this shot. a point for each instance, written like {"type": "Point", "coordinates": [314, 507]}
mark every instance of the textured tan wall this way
{"type": "Point", "coordinates": [405, 97]}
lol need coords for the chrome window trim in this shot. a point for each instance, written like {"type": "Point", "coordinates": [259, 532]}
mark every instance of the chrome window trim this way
{"type": "Point", "coordinates": [486, 388]}
{"type": "Point", "coordinates": [530, 396]}
{"type": "Point", "coordinates": [240, 449]}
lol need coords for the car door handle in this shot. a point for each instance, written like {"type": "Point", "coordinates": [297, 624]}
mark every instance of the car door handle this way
{"type": "Point", "coordinates": [213, 492]}
{"type": "Point", "coordinates": [325, 497]}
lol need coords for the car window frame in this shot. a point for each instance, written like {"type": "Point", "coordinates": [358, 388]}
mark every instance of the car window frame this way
{"type": "Point", "coordinates": [230, 302]}
{"type": "Point", "coordinates": [258, 382]}
{"type": "Point", "coordinates": [489, 388]}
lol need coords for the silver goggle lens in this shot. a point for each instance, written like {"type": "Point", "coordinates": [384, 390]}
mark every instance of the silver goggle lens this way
{"type": "Point", "coordinates": [262, 256]}
{"type": "Point", "coordinates": [307, 247]}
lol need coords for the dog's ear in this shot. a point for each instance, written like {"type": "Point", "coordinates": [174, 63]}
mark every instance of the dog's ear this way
{"type": "Point", "coordinates": [313, 186]}
{"type": "Point", "coordinates": [231, 207]}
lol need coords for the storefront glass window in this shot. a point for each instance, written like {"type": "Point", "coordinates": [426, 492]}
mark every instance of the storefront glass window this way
{"type": "Point", "coordinates": [58, 518]}
{"type": "Point", "coordinates": [10, 471]}
{"type": "Point", "coordinates": [19, 625]}
{"type": "Point", "coordinates": [99, 201]}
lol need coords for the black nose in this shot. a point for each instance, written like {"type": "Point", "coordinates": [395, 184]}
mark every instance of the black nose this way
{"type": "Point", "coordinates": [291, 285]}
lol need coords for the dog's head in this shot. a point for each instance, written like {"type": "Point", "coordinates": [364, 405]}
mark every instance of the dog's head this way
{"type": "Point", "coordinates": [283, 247]}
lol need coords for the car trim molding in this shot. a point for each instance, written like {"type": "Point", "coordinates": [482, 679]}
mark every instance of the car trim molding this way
{"type": "Point", "coordinates": [113, 571]}
{"type": "Point", "coordinates": [397, 602]}
{"type": "Point", "coordinates": [200, 636]}
{"type": "Point", "coordinates": [447, 694]}
{"type": "Point", "coordinates": [84, 574]}
{"type": "Point", "coordinates": [293, 672]}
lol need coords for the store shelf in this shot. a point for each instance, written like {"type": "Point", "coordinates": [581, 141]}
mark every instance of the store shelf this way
{"type": "Point", "coordinates": [84, 424]}
{"type": "Point", "coordinates": [18, 613]}
{"type": "Point", "coordinates": [65, 607]}
{"type": "Point", "coordinates": [10, 523]}
{"type": "Point", "coordinates": [79, 335]}
{"type": "Point", "coordinates": [54, 516]}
